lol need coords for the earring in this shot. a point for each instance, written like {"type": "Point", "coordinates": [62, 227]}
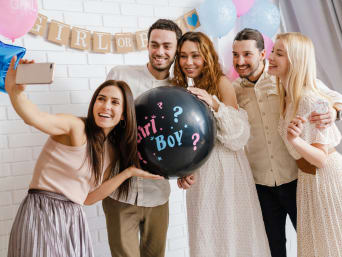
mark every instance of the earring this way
{"type": "Point", "coordinates": [122, 123]}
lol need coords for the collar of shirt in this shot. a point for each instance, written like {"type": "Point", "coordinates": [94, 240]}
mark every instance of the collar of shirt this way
{"type": "Point", "coordinates": [156, 82]}
{"type": "Point", "coordinates": [244, 82]}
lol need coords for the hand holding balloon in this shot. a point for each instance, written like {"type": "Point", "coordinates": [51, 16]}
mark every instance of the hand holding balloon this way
{"type": "Point", "coordinates": [135, 172]}
{"type": "Point", "coordinates": [204, 96]}
{"type": "Point", "coordinates": [186, 182]}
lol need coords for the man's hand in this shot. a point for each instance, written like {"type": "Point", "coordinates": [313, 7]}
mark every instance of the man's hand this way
{"type": "Point", "coordinates": [323, 120]}
{"type": "Point", "coordinates": [186, 182]}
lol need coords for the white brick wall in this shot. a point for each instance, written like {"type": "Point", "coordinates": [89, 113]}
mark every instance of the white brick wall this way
{"type": "Point", "coordinates": [76, 77]}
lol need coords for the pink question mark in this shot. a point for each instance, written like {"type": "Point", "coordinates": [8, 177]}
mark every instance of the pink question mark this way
{"type": "Point", "coordinates": [139, 155]}
{"type": "Point", "coordinates": [160, 104]}
{"type": "Point", "coordinates": [197, 136]}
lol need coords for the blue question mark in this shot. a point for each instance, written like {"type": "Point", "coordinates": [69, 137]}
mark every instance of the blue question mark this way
{"type": "Point", "coordinates": [178, 111]}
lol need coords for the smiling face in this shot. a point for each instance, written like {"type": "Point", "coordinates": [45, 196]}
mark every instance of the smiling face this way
{"type": "Point", "coordinates": [191, 61]}
{"type": "Point", "coordinates": [248, 60]}
{"type": "Point", "coordinates": [108, 108]}
{"type": "Point", "coordinates": [162, 48]}
{"type": "Point", "coordinates": [278, 61]}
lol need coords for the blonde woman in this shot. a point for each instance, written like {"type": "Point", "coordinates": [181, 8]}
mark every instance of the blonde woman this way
{"type": "Point", "coordinates": [319, 189]}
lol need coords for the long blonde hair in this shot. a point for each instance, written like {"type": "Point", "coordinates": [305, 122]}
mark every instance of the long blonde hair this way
{"type": "Point", "coordinates": [211, 73]}
{"type": "Point", "coordinates": [301, 71]}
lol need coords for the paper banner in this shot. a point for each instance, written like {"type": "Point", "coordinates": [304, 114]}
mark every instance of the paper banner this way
{"type": "Point", "coordinates": [80, 39]}
{"type": "Point", "coordinates": [192, 20]}
{"type": "Point", "coordinates": [59, 33]}
{"type": "Point", "coordinates": [101, 42]}
{"type": "Point", "coordinates": [124, 42]}
{"type": "Point", "coordinates": [40, 26]}
{"type": "Point", "coordinates": [141, 39]}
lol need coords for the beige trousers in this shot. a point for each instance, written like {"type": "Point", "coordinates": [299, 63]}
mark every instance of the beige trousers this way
{"type": "Point", "coordinates": [126, 221]}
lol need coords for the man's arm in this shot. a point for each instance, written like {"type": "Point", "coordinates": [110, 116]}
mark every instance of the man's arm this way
{"type": "Point", "coordinates": [324, 120]}
{"type": "Point", "coordinates": [335, 96]}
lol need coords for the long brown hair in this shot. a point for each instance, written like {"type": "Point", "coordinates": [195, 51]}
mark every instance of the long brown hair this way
{"type": "Point", "coordinates": [122, 138]}
{"type": "Point", "coordinates": [211, 73]}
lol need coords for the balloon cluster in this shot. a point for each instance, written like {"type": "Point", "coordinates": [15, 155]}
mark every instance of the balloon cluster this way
{"type": "Point", "coordinates": [220, 17]}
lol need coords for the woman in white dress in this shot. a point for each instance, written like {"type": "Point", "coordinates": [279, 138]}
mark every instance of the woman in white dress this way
{"type": "Point", "coordinates": [319, 189]}
{"type": "Point", "coordinates": [224, 215]}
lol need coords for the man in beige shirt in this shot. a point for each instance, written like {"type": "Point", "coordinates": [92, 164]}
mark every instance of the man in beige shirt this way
{"type": "Point", "coordinates": [274, 170]}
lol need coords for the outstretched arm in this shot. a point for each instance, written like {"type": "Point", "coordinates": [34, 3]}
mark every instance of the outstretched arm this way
{"type": "Point", "coordinates": [323, 120]}
{"type": "Point", "coordinates": [53, 125]}
{"type": "Point", "coordinates": [109, 186]}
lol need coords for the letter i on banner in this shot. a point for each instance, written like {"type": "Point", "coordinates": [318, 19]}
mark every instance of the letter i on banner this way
{"type": "Point", "coordinates": [59, 33]}
{"type": "Point", "coordinates": [191, 19]}
{"type": "Point", "coordinates": [40, 26]}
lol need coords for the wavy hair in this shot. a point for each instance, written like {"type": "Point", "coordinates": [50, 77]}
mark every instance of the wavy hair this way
{"type": "Point", "coordinates": [301, 71]}
{"type": "Point", "coordinates": [124, 139]}
{"type": "Point", "coordinates": [211, 73]}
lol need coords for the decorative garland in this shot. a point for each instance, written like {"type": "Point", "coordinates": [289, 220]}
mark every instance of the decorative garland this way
{"type": "Point", "coordinates": [101, 42]}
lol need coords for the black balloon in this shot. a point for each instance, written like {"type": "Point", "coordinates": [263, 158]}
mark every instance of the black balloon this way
{"type": "Point", "coordinates": [176, 131]}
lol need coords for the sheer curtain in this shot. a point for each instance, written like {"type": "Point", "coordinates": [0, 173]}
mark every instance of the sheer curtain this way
{"type": "Point", "coordinates": [321, 20]}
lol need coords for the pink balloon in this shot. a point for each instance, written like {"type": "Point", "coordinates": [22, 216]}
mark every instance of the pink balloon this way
{"type": "Point", "coordinates": [17, 17]}
{"type": "Point", "coordinates": [232, 74]}
{"type": "Point", "coordinates": [242, 6]}
{"type": "Point", "coordinates": [268, 45]}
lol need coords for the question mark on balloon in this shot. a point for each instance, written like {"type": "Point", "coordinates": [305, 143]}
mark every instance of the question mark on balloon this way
{"type": "Point", "coordinates": [178, 111]}
{"type": "Point", "coordinates": [139, 155]}
{"type": "Point", "coordinates": [197, 137]}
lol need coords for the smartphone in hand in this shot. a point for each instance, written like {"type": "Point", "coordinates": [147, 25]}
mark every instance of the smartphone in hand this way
{"type": "Point", "coordinates": [35, 73]}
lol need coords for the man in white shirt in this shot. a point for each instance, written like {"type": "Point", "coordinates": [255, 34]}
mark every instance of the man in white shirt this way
{"type": "Point", "coordinates": [137, 225]}
{"type": "Point", "coordinates": [274, 170]}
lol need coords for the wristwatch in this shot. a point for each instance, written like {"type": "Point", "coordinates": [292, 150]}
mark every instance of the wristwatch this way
{"type": "Point", "coordinates": [338, 109]}
{"type": "Point", "coordinates": [338, 114]}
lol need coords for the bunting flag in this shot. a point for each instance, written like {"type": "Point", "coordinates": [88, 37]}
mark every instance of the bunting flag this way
{"type": "Point", "coordinates": [101, 42]}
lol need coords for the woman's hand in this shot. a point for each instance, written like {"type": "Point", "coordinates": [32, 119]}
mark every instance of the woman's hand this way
{"type": "Point", "coordinates": [10, 81]}
{"type": "Point", "coordinates": [203, 95]}
{"type": "Point", "coordinates": [295, 128]}
{"type": "Point", "coordinates": [186, 182]}
{"type": "Point", "coordinates": [135, 172]}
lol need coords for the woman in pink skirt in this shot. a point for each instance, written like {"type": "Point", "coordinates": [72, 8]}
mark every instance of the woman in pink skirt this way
{"type": "Point", "coordinates": [83, 161]}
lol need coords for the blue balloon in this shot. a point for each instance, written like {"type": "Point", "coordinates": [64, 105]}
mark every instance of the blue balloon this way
{"type": "Point", "coordinates": [263, 16]}
{"type": "Point", "coordinates": [6, 54]}
{"type": "Point", "coordinates": [217, 17]}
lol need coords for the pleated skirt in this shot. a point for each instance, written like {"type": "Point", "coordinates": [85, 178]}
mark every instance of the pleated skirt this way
{"type": "Point", "coordinates": [49, 225]}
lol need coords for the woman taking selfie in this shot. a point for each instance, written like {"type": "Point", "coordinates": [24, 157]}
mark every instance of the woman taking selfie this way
{"type": "Point", "coordinates": [83, 161]}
